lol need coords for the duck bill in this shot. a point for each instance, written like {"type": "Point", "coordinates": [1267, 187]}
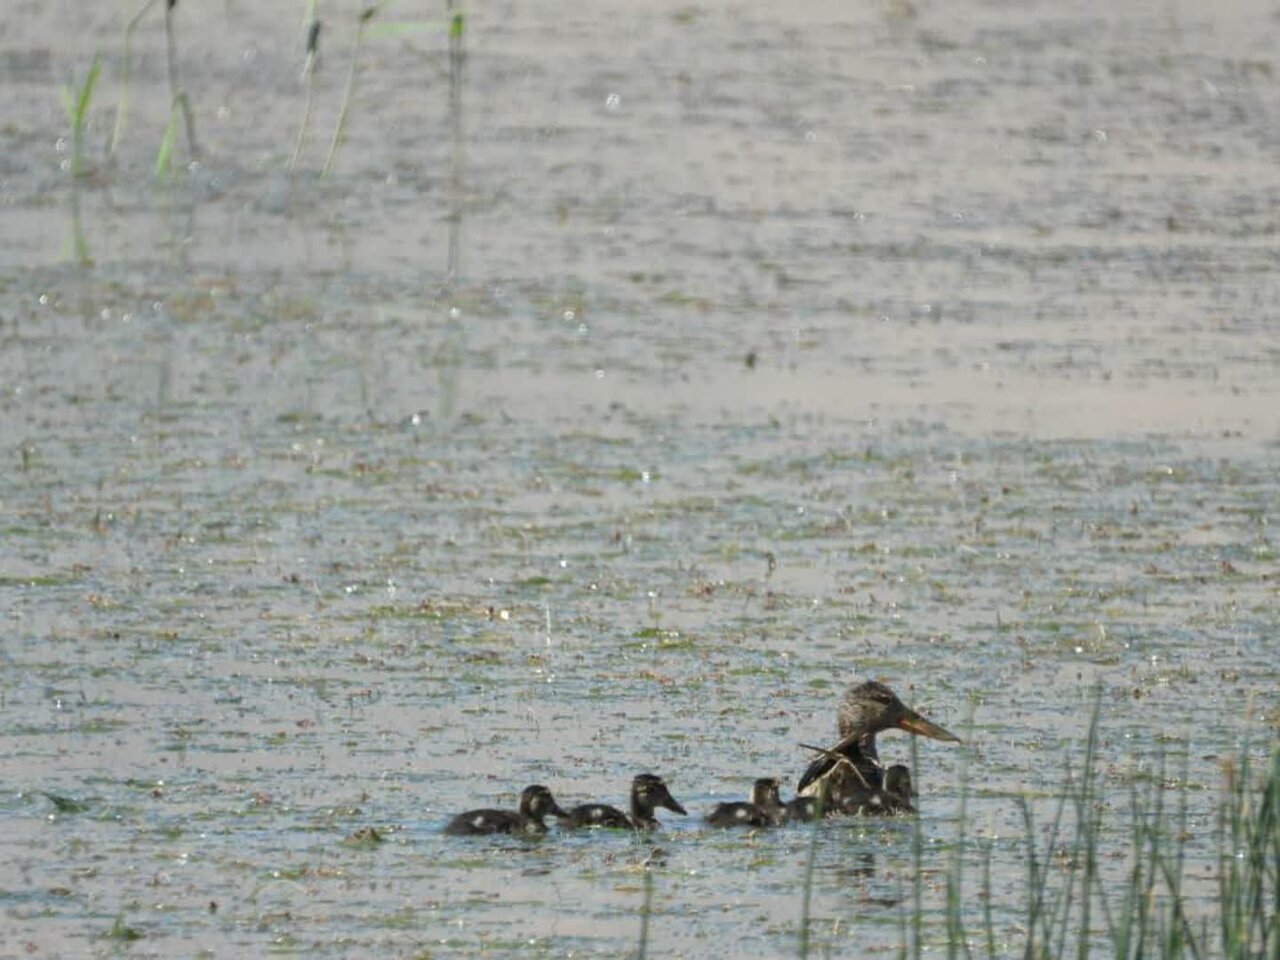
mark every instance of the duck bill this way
{"type": "Point", "coordinates": [670, 803]}
{"type": "Point", "coordinates": [555, 811]}
{"type": "Point", "coordinates": [912, 722]}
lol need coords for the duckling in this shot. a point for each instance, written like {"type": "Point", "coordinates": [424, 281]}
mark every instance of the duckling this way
{"type": "Point", "coordinates": [802, 809]}
{"type": "Point", "coordinates": [648, 792]}
{"type": "Point", "coordinates": [856, 786]}
{"type": "Point", "coordinates": [764, 810]}
{"type": "Point", "coordinates": [898, 789]}
{"type": "Point", "coordinates": [891, 795]}
{"type": "Point", "coordinates": [536, 802]}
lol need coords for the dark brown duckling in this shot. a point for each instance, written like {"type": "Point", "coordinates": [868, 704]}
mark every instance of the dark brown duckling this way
{"type": "Point", "coordinates": [765, 808]}
{"type": "Point", "coordinates": [898, 789]}
{"type": "Point", "coordinates": [648, 792]}
{"type": "Point", "coordinates": [893, 795]}
{"type": "Point", "coordinates": [803, 809]}
{"type": "Point", "coordinates": [536, 802]}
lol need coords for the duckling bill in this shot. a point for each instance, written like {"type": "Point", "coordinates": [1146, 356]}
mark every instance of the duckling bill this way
{"type": "Point", "coordinates": [536, 803]}
{"type": "Point", "coordinates": [648, 792]}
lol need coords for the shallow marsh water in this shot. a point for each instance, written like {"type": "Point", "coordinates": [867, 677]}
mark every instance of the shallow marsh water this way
{"type": "Point", "coordinates": [932, 342]}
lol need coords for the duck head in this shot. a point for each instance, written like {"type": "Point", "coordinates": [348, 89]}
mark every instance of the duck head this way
{"type": "Point", "coordinates": [870, 707]}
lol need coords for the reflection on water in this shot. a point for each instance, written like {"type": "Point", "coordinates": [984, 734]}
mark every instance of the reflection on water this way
{"type": "Point", "coordinates": [449, 362]}
{"type": "Point", "coordinates": [79, 245]}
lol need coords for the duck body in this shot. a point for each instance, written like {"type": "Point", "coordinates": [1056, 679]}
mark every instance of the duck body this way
{"type": "Point", "coordinates": [536, 803]}
{"type": "Point", "coordinates": [598, 815]}
{"type": "Point", "coordinates": [844, 778]}
{"type": "Point", "coordinates": [765, 809]}
{"type": "Point", "coordinates": [476, 823]}
{"type": "Point", "coordinates": [648, 792]}
{"type": "Point", "coordinates": [803, 809]}
{"type": "Point", "coordinates": [739, 813]}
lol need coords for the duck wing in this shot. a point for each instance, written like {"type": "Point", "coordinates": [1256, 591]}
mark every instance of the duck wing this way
{"type": "Point", "coordinates": [847, 764]}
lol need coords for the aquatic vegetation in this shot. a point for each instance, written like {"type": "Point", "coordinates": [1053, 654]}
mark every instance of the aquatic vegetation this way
{"type": "Point", "coordinates": [123, 932]}
{"type": "Point", "coordinates": [339, 129]}
{"type": "Point", "coordinates": [76, 104]}
{"type": "Point", "coordinates": [1073, 907]}
{"type": "Point", "coordinates": [309, 75]}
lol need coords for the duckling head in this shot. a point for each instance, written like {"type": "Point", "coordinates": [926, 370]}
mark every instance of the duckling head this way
{"type": "Point", "coordinates": [649, 791]}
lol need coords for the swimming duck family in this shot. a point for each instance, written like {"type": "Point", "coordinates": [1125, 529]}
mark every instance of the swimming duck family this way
{"type": "Point", "coordinates": [845, 778]}
{"type": "Point", "coordinates": [648, 792]}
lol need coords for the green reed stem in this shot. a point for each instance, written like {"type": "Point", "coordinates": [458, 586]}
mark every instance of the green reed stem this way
{"type": "Point", "coordinates": [122, 109]}
{"type": "Point", "coordinates": [917, 878]}
{"type": "Point", "coordinates": [987, 922]}
{"type": "Point", "coordinates": [339, 130]}
{"type": "Point", "coordinates": [76, 103]}
{"type": "Point", "coordinates": [806, 895]}
{"type": "Point", "coordinates": [956, 937]}
{"type": "Point", "coordinates": [457, 61]}
{"type": "Point", "coordinates": [309, 74]}
{"type": "Point", "coordinates": [646, 910]}
{"type": "Point", "coordinates": [177, 96]}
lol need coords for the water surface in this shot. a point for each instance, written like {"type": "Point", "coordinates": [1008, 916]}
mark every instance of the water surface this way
{"type": "Point", "coordinates": [922, 341]}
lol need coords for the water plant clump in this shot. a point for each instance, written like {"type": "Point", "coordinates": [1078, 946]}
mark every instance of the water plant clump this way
{"type": "Point", "coordinates": [1072, 907]}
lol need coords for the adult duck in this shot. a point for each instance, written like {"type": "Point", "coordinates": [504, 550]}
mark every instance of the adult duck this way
{"type": "Point", "coordinates": [848, 777]}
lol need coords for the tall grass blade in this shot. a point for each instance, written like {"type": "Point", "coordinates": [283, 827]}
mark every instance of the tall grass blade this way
{"type": "Point", "coordinates": [122, 108]}
{"type": "Point", "coordinates": [806, 896]}
{"type": "Point", "coordinates": [988, 925]}
{"type": "Point", "coordinates": [178, 96]}
{"type": "Point", "coordinates": [309, 74]}
{"type": "Point", "coordinates": [956, 937]}
{"type": "Point", "coordinates": [339, 130]}
{"type": "Point", "coordinates": [917, 873]}
{"type": "Point", "coordinates": [457, 26]}
{"type": "Point", "coordinates": [76, 104]}
{"type": "Point", "coordinates": [646, 911]}
{"type": "Point", "coordinates": [164, 155]}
